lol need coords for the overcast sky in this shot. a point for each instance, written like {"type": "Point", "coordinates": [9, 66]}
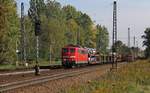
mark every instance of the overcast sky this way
{"type": "Point", "coordinates": [131, 13]}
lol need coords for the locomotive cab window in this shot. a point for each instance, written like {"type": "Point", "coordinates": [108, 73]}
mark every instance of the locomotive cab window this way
{"type": "Point", "coordinates": [65, 50]}
{"type": "Point", "coordinates": [72, 50]}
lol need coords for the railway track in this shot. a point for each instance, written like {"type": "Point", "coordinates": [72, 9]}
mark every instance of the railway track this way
{"type": "Point", "coordinates": [15, 85]}
{"type": "Point", "coordinates": [21, 72]}
{"type": "Point", "coordinates": [42, 69]}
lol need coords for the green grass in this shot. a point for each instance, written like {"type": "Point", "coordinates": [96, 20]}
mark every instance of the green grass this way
{"type": "Point", "coordinates": [46, 63]}
{"type": "Point", "coordinates": [2, 67]}
{"type": "Point", "coordinates": [32, 64]}
{"type": "Point", "coordinates": [132, 78]}
{"type": "Point", "coordinates": [12, 67]}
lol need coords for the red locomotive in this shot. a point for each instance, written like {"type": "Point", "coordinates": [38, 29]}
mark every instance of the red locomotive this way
{"type": "Point", "coordinates": [74, 55]}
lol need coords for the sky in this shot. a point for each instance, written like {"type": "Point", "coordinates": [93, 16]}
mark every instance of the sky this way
{"type": "Point", "coordinates": [131, 13]}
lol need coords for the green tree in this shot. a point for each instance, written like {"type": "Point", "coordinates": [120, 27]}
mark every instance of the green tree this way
{"type": "Point", "coordinates": [122, 48]}
{"type": "Point", "coordinates": [70, 11]}
{"type": "Point", "coordinates": [60, 26]}
{"type": "Point", "coordinates": [82, 24]}
{"type": "Point", "coordinates": [86, 30]}
{"type": "Point", "coordinates": [52, 27]}
{"type": "Point", "coordinates": [53, 30]}
{"type": "Point", "coordinates": [102, 39]}
{"type": "Point", "coordinates": [30, 38]}
{"type": "Point", "coordinates": [146, 42]}
{"type": "Point", "coordinates": [9, 30]}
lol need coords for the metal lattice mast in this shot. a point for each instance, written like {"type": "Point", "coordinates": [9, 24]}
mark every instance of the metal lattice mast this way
{"type": "Point", "coordinates": [134, 41]}
{"type": "Point", "coordinates": [134, 48]}
{"type": "Point", "coordinates": [114, 37]}
{"type": "Point", "coordinates": [129, 37]}
{"type": "Point", "coordinates": [23, 37]}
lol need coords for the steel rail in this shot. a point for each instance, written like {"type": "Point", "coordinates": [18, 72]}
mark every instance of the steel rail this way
{"type": "Point", "coordinates": [21, 72]}
{"type": "Point", "coordinates": [15, 85]}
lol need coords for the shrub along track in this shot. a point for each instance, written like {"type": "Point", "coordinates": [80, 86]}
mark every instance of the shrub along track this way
{"type": "Point", "coordinates": [57, 78]}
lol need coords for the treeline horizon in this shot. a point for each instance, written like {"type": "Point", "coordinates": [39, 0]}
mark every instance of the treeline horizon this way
{"type": "Point", "coordinates": [59, 27]}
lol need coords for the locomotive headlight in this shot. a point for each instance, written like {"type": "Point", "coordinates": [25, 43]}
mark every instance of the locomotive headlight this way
{"type": "Point", "coordinates": [64, 59]}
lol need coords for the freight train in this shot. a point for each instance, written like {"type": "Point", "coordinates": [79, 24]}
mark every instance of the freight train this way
{"type": "Point", "coordinates": [73, 55]}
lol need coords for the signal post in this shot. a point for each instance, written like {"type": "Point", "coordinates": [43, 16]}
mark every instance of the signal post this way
{"type": "Point", "coordinates": [37, 33]}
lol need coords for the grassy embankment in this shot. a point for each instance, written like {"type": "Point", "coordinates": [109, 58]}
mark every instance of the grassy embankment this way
{"type": "Point", "coordinates": [132, 78]}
